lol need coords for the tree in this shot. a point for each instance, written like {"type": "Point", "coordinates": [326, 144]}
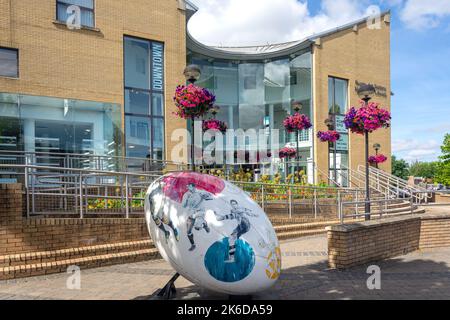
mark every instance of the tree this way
{"type": "Point", "coordinates": [443, 172]}
{"type": "Point", "coordinates": [400, 168]}
{"type": "Point", "coordinates": [426, 170]}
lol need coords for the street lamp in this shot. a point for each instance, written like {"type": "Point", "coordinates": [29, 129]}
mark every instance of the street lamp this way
{"type": "Point", "coordinates": [377, 148]}
{"type": "Point", "coordinates": [366, 91]}
{"type": "Point", "coordinates": [297, 106]}
{"type": "Point", "coordinates": [192, 73]}
{"type": "Point", "coordinates": [215, 111]}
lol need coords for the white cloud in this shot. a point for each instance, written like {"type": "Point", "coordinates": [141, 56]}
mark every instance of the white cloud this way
{"type": "Point", "coordinates": [424, 14]}
{"type": "Point", "coordinates": [249, 22]}
{"type": "Point", "coordinates": [412, 150]}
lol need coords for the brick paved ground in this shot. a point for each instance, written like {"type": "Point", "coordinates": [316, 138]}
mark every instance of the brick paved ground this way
{"type": "Point", "coordinates": [420, 275]}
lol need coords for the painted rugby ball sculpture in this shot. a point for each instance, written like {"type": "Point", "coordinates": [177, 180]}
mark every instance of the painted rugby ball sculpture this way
{"type": "Point", "coordinates": [212, 233]}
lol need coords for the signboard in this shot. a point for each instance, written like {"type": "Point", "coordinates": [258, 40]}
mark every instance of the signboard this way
{"type": "Point", "coordinates": [340, 125]}
{"type": "Point", "coordinates": [342, 143]}
{"type": "Point", "coordinates": [157, 66]}
{"type": "Point", "coordinates": [379, 90]}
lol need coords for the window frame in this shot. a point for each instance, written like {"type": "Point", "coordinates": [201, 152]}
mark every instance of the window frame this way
{"type": "Point", "coordinates": [16, 50]}
{"type": "Point", "coordinates": [81, 7]}
{"type": "Point", "coordinates": [151, 92]}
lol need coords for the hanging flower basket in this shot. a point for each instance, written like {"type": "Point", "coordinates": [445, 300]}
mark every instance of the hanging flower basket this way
{"type": "Point", "coordinates": [368, 118]}
{"type": "Point", "coordinates": [297, 122]}
{"type": "Point", "coordinates": [287, 153]}
{"type": "Point", "coordinates": [328, 136]}
{"type": "Point", "coordinates": [215, 125]}
{"type": "Point", "coordinates": [381, 158]}
{"type": "Point", "coordinates": [192, 101]}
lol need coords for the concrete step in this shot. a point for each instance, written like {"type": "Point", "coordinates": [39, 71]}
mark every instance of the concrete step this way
{"type": "Point", "coordinates": [28, 270]}
{"type": "Point", "coordinates": [73, 253]}
{"type": "Point", "coordinates": [300, 233]}
{"type": "Point", "coordinates": [305, 226]}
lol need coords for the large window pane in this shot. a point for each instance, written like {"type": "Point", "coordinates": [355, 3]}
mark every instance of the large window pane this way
{"type": "Point", "coordinates": [137, 102]}
{"type": "Point", "coordinates": [340, 96]}
{"type": "Point", "coordinates": [158, 104]}
{"type": "Point", "coordinates": [138, 136]}
{"type": "Point", "coordinates": [9, 63]}
{"type": "Point", "coordinates": [158, 138]}
{"type": "Point", "coordinates": [137, 59]}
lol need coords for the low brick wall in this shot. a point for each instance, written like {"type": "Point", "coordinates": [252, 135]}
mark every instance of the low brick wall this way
{"type": "Point", "coordinates": [442, 198]}
{"type": "Point", "coordinates": [20, 235]}
{"type": "Point", "coordinates": [355, 244]}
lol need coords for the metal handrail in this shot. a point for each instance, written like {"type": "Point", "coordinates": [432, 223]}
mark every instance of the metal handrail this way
{"type": "Point", "coordinates": [342, 214]}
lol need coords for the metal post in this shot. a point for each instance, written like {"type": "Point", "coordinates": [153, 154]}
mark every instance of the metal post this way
{"type": "Point", "coordinates": [412, 204]}
{"type": "Point", "coordinates": [297, 168]}
{"type": "Point", "coordinates": [315, 203]}
{"type": "Point", "coordinates": [290, 202]}
{"type": "Point", "coordinates": [127, 208]}
{"type": "Point", "coordinates": [81, 195]}
{"type": "Point", "coordinates": [192, 144]}
{"type": "Point", "coordinates": [339, 203]}
{"type": "Point", "coordinates": [367, 206]}
{"type": "Point", "coordinates": [27, 193]}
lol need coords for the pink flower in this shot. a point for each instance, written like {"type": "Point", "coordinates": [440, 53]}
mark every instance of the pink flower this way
{"type": "Point", "coordinates": [368, 118]}
{"type": "Point", "coordinates": [287, 153]}
{"type": "Point", "coordinates": [192, 101]}
{"type": "Point", "coordinates": [297, 122]}
{"type": "Point", "coordinates": [328, 136]}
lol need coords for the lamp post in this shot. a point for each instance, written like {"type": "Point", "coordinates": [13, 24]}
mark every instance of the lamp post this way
{"type": "Point", "coordinates": [297, 107]}
{"type": "Point", "coordinates": [331, 126]}
{"type": "Point", "coordinates": [377, 148]}
{"type": "Point", "coordinates": [365, 91]}
{"type": "Point", "coordinates": [192, 73]}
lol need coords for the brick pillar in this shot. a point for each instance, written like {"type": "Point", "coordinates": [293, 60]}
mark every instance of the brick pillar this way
{"type": "Point", "coordinates": [11, 204]}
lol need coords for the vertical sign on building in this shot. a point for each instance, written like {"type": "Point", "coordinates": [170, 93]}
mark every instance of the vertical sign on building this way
{"type": "Point", "coordinates": [157, 66]}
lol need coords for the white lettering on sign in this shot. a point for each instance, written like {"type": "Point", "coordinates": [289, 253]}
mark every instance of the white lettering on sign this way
{"type": "Point", "coordinates": [158, 66]}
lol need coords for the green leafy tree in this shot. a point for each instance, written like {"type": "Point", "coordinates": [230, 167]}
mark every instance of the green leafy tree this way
{"type": "Point", "coordinates": [400, 168]}
{"type": "Point", "coordinates": [443, 172]}
{"type": "Point", "coordinates": [424, 169]}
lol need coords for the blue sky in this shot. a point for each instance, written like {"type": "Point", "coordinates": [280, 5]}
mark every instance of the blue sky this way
{"type": "Point", "coordinates": [420, 52]}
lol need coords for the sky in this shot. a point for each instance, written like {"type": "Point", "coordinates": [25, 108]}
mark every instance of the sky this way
{"type": "Point", "coordinates": [420, 52]}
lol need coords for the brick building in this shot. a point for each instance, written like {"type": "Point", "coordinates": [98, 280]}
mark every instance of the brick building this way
{"type": "Point", "coordinates": [106, 88]}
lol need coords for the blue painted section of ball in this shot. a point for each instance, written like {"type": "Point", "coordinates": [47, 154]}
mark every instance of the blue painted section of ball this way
{"type": "Point", "coordinates": [223, 271]}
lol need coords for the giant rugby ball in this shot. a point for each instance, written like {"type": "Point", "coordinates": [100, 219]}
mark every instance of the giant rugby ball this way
{"type": "Point", "coordinates": [213, 233]}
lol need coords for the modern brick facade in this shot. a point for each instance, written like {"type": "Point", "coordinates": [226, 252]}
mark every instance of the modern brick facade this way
{"type": "Point", "coordinates": [87, 64]}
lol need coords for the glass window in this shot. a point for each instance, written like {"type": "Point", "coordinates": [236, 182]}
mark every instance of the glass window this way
{"type": "Point", "coordinates": [137, 63]}
{"type": "Point", "coordinates": [9, 66]}
{"type": "Point", "coordinates": [337, 95]}
{"type": "Point", "coordinates": [86, 8]}
{"type": "Point", "coordinates": [137, 102]}
{"type": "Point", "coordinates": [35, 123]}
{"type": "Point", "coordinates": [138, 136]}
{"type": "Point", "coordinates": [158, 105]}
{"type": "Point", "coordinates": [144, 98]}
